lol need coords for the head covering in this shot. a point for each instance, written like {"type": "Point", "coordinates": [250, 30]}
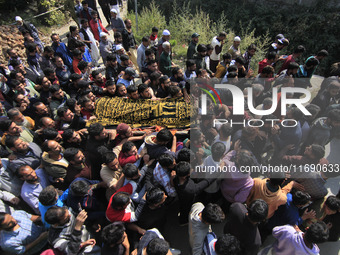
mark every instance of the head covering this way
{"type": "Point", "coordinates": [166, 32]}
{"type": "Point", "coordinates": [131, 71]}
{"type": "Point", "coordinates": [237, 39]}
{"type": "Point", "coordinates": [122, 128]}
{"type": "Point", "coordinates": [102, 34]}
{"type": "Point", "coordinates": [119, 47]}
{"type": "Point", "coordinates": [280, 36]}
{"type": "Point", "coordinates": [113, 10]}
{"type": "Point", "coordinates": [195, 35]}
{"type": "Point", "coordinates": [18, 18]}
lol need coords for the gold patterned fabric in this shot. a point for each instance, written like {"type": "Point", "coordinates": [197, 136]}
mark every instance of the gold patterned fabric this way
{"type": "Point", "coordinates": [170, 113]}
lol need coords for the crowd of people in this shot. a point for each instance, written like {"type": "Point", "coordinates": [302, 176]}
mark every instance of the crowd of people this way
{"type": "Point", "coordinates": [71, 187]}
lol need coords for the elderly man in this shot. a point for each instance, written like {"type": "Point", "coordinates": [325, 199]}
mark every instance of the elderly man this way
{"type": "Point", "coordinates": [25, 27]}
{"type": "Point", "coordinates": [117, 24]}
{"type": "Point", "coordinates": [20, 234]}
{"type": "Point", "coordinates": [165, 38]}
{"type": "Point", "coordinates": [23, 121]}
{"type": "Point", "coordinates": [165, 63]}
{"type": "Point", "coordinates": [234, 49]}
{"type": "Point", "coordinates": [105, 46]}
{"type": "Point", "coordinates": [35, 182]}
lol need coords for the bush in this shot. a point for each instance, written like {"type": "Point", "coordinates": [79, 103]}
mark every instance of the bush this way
{"type": "Point", "coordinates": [316, 27]}
{"type": "Point", "coordinates": [183, 23]}
{"type": "Point", "coordinates": [148, 18]}
{"type": "Point", "coordinates": [52, 18]}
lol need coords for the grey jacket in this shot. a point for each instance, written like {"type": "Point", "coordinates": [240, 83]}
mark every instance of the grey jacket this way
{"type": "Point", "coordinates": [67, 240]}
{"type": "Point", "coordinates": [31, 158]}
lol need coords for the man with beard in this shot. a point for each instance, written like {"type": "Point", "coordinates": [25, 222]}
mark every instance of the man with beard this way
{"type": "Point", "coordinates": [177, 75]}
{"type": "Point", "coordinates": [35, 182]}
{"type": "Point", "coordinates": [165, 62]}
{"type": "Point", "coordinates": [24, 104]}
{"type": "Point", "coordinates": [151, 66]}
{"type": "Point", "coordinates": [22, 121]}
{"type": "Point", "coordinates": [53, 161]}
{"type": "Point", "coordinates": [163, 90]}
{"type": "Point", "coordinates": [128, 37]}
{"type": "Point", "coordinates": [69, 120]}
{"type": "Point", "coordinates": [199, 57]}
{"type": "Point", "coordinates": [45, 94]}
{"type": "Point", "coordinates": [58, 97]}
{"type": "Point", "coordinates": [78, 167]}
{"type": "Point", "coordinates": [144, 91]}
{"type": "Point", "coordinates": [46, 58]}
{"type": "Point", "coordinates": [61, 50]}
{"type": "Point", "coordinates": [73, 138]}
{"type": "Point", "coordinates": [20, 76]}
{"type": "Point", "coordinates": [192, 46]}
{"type": "Point", "coordinates": [117, 24]}
{"type": "Point", "coordinates": [105, 46]}
{"type": "Point", "coordinates": [88, 108]}
{"type": "Point", "coordinates": [25, 153]}
{"type": "Point", "coordinates": [129, 42]}
{"type": "Point", "coordinates": [10, 128]}
{"type": "Point", "coordinates": [98, 78]}
{"type": "Point", "coordinates": [190, 72]}
{"type": "Point", "coordinates": [27, 72]}
{"type": "Point", "coordinates": [40, 111]}
{"type": "Point", "coordinates": [111, 67]}
{"type": "Point", "coordinates": [20, 233]}
{"type": "Point", "coordinates": [62, 71]}
{"type": "Point", "coordinates": [118, 40]}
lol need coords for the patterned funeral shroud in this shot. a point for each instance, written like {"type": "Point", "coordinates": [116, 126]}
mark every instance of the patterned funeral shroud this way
{"type": "Point", "coordinates": [170, 112]}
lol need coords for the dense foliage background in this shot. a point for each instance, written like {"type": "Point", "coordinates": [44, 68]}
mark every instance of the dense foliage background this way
{"type": "Point", "coordinates": [316, 27]}
{"type": "Point", "coordinates": [29, 8]}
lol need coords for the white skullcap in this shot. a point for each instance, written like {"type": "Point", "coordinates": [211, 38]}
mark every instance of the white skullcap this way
{"type": "Point", "coordinates": [103, 34]}
{"type": "Point", "coordinates": [165, 44]}
{"type": "Point", "coordinates": [18, 18]}
{"type": "Point", "coordinates": [237, 39]}
{"type": "Point", "coordinates": [166, 32]}
{"type": "Point", "coordinates": [113, 10]}
{"type": "Point", "coordinates": [119, 47]}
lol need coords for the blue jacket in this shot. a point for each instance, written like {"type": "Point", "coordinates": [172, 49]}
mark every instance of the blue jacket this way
{"type": "Point", "coordinates": [62, 51]}
{"type": "Point", "coordinates": [89, 202]}
{"type": "Point", "coordinates": [286, 214]}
